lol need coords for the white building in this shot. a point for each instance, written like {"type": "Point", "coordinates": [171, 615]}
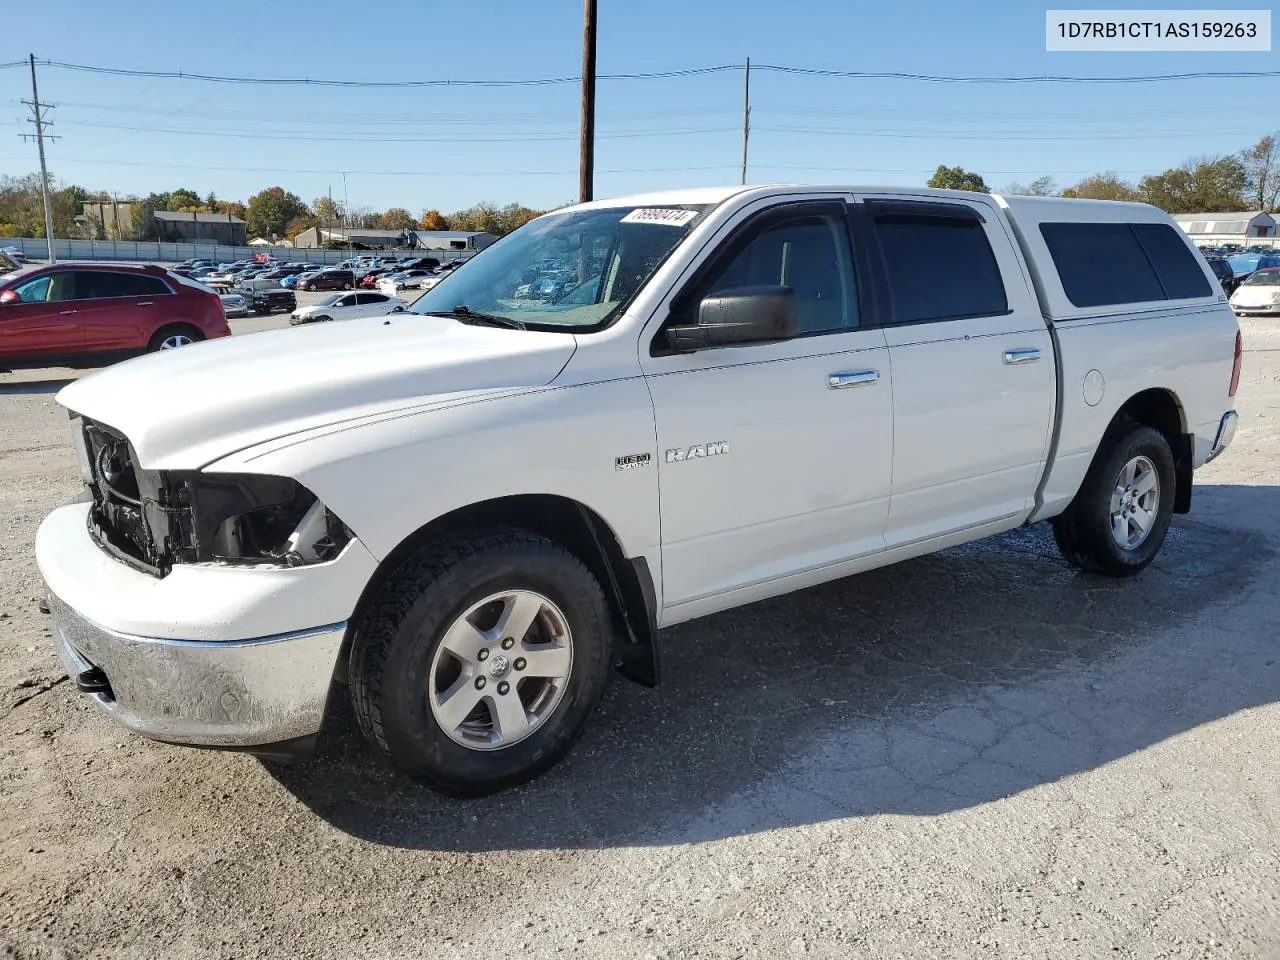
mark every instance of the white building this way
{"type": "Point", "coordinates": [1218, 228]}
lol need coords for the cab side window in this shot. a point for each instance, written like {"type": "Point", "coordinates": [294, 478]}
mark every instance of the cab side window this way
{"type": "Point", "coordinates": [938, 261]}
{"type": "Point", "coordinates": [805, 250]}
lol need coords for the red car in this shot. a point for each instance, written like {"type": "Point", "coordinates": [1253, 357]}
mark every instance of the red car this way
{"type": "Point", "coordinates": [369, 279]}
{"type": "Point", "coordinates": [90, 314]}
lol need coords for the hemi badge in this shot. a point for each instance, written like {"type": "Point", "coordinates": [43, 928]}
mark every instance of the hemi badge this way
{"type": "Point", "coordinates": [632, 461]}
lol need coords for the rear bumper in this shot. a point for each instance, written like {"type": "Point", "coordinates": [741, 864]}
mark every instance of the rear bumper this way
{"type": "Point", "coordinates": [1226, 433]}
{"type": "Point", "coordinates": [240, 694]}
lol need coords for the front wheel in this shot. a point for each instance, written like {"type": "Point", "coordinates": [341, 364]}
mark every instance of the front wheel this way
{"type": "Point", "coordinates": [1118, 520]}
{"type": "Point", "coordinates": [479, 662]}
{"type": "Point", "coordinates": [346, 286]}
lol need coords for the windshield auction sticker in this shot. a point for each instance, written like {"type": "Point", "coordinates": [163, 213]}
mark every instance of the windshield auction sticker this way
{"type": "Point", "coordinates": [670, 218]}
{"type": "Point", "coordinates": [1158, 31]}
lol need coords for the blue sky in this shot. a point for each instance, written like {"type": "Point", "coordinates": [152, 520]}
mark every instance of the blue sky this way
{"type": "Point", "coordinates": [520, 144]}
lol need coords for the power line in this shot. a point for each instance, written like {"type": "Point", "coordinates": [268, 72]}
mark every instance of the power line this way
{"type": "Point", "coordinates": [565, 172]}
{"type": "Point", "coordinates": [1043, 78]}
{"type": "Point", "coordinates": [383, 84]}
{"type": "Point", "coordinates": [662, 75]}
{"type": "Point", "coordinates": [323, 137]}
{"type": "Point", "coordinates": [984, 135]}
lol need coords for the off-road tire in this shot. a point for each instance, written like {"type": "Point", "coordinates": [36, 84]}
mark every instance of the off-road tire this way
{"type": "Point", "coordinates": [1083, 533]}
{"type": "Point", "coordinates": [398, 632]}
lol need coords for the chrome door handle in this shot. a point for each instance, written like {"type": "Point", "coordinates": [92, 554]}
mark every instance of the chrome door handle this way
{"type": "Point", "coordinates": [145, 303]}
{"type": "Point", "coordinates": [1024, 355]}
{"type": "Point", "coordinates": [65, 313]}
{"type": "Point", "coordinates": [854, 378]}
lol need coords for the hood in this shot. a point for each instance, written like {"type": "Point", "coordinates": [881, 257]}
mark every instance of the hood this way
{"type": "Point", "coordinates": [182, 409]}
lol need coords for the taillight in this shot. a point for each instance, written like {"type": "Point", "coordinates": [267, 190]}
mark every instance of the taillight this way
{"type": "Point", "coordinates": [1235, 367]}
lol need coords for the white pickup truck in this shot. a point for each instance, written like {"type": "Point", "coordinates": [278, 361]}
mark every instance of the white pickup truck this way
{"type": "Point", "coordinates": [470, 513]}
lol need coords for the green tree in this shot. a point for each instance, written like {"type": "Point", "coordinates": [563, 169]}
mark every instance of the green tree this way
{"type": "Point", "coordinates": [1102, 186]}
{"type": "Point", "coordinates": [185, 201]}
{"type": "Point", "coordinates": [1199, 186]}
{"type": "Point", "coordinates": [957, 178]}
{"type": "Point", "coordinates": [158, 201]}
{"type": "Point", "coordinates": [270, 212]}
{"type": "Point", "coordinates": [397, 218]}
{"type": "Point", "coordinates": [1261, 164]}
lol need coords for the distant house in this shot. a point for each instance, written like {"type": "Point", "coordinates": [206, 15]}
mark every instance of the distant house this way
{"type": "Point", "coordinates": [453, 240]}
{"type": "Point", "coordinates": [200, 228]}
{"type": "Point", "coordinates": [114, 220]}
{"type": "Point", "coordinates": [1227, 227]}
{"type": "Point", "coordinates": [131, 220]}
{"type": "Point", "coordinates": [445, 241]}
{"type": "Point", "coordinates": [363, 239]}
{"type": "Point", "coordinates": [264, 242]}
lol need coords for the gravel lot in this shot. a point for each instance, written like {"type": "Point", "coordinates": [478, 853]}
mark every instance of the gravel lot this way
{"type": "Point", "coordinates": [977, 754]}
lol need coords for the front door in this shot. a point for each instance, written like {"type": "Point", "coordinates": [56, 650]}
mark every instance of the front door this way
{"type": "Point", "coordinates": [773, 458]}
{"type": "Point", "coordinates": [44, 325]}
{"type": "Point", "coordinates": [973, 368]}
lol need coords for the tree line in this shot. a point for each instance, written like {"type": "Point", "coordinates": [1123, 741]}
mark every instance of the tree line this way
{"type": "Point", "coordinates": [1246, 180]}
{"type": "Point", "coordinates": [274, 213]}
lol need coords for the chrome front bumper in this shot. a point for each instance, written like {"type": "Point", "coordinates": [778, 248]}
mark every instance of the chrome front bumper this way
{"type": "Point", "coordinates": [231, 694]}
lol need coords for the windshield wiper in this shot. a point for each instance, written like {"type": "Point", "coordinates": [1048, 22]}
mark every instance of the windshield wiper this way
{"type": "Point", "coordinates": [465, 314]}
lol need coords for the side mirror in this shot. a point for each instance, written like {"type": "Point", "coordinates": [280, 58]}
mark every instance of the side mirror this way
{"type": "Point", "coordinates": [744, 315]}
{"type": "Point", "coordinates": [10, 296]}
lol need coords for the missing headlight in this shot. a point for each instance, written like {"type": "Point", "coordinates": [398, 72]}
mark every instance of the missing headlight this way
{"type": "Point", "coordinates": [254, 519]}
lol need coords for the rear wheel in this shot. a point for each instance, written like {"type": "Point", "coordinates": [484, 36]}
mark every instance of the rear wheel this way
{"type": "Point", "coordinates": [170, 338]}
{"type": "Point", "coordinates": [479, 662]}
{"type": "Point", "coordinates": [1118, 520]}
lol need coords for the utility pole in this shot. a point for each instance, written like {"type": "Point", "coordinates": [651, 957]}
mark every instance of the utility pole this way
{"type": "Point", "coordinates": [587, 151]}
{"type": "Point", "coordinates": [37, 119]}
{"type": "Point", "coordinates": [346, 213]}
{"type": "Point", "coordinates": [746, 116]}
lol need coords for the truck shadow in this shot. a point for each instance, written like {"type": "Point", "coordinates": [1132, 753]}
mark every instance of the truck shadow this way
{"type": "Point", "coordinates": [926, 687]}
{"type": "Point", "coordinates": [48, 386]}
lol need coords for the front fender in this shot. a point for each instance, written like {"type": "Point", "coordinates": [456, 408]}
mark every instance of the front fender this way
{"type": "Point", "coordinates": [390, 476]}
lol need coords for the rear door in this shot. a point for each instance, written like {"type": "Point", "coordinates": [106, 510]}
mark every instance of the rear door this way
{"type": "Point", "coordinates": [121, 310]}
{"type": "Point", "coordinates": [973, 369]}
{"type": "Point", "coordinates": [371, 304]}
{"type": "Point", "coordinates": [45, 324]}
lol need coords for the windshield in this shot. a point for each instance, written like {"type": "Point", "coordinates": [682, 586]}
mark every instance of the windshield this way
{"type": "Point", "coordinates": [567, 270]}
{"type": "Point", "coordinates": [1265, 278]}
{"type": "Point", "coordinates": [330, 300]}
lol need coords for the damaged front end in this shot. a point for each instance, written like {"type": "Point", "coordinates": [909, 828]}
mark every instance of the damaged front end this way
{"type": "Point", "coordinates": [153, 519]}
